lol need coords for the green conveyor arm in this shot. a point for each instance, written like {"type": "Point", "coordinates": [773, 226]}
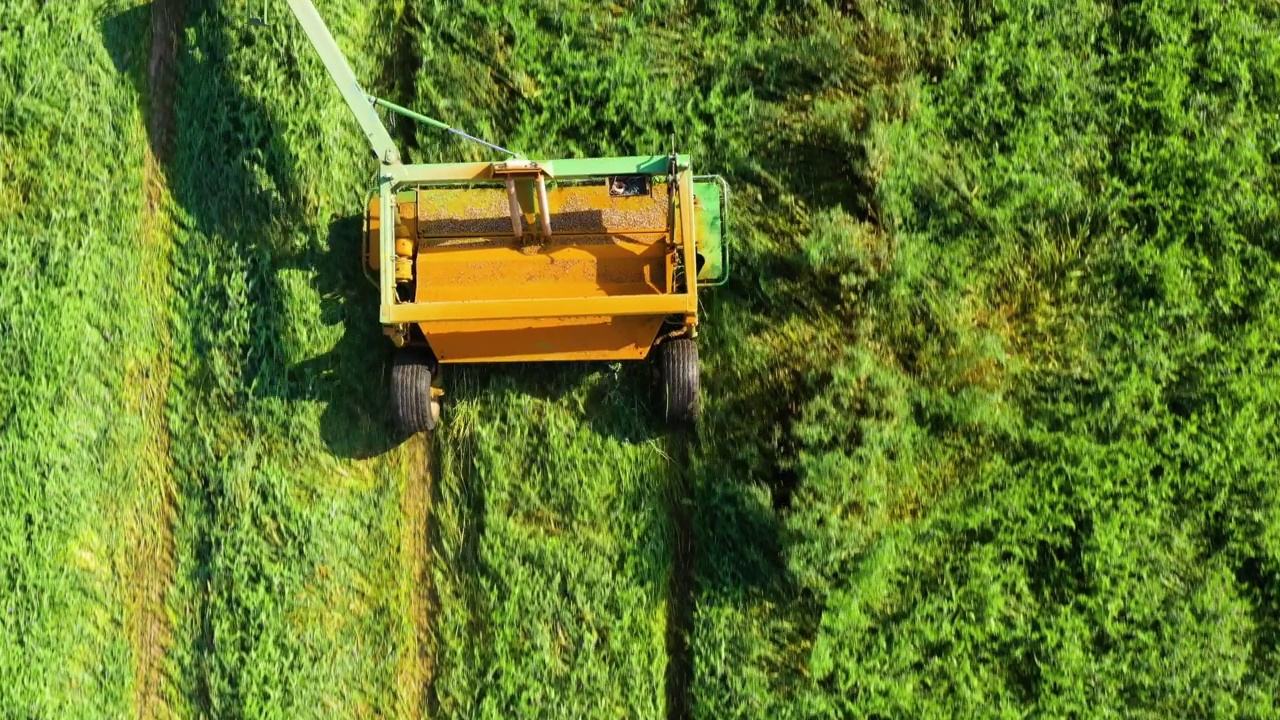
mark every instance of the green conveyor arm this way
{"type": "Point", "coordinates": [384, 148]}
{"type": "Point", "coordinates": [361, 103]}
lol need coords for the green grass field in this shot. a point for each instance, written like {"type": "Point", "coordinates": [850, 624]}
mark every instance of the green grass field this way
{"type": "Point", "coordinates": [83, 358]}
{"type": "Point", "coordinates": [990, 401]}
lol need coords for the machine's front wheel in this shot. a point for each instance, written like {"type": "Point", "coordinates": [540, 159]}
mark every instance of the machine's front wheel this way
{"type": "Point", "coordinates": [678, 361]}
{"type": "Point", "coordinates": [412, 404]}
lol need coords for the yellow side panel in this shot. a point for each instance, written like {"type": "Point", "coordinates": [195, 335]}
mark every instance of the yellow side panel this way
{"type": "Point", "coordinates": [499, 270]}
{"type": "Point", "coordinates": [623, 338]}
{"type": "Point", "coordinates": [406, 226]}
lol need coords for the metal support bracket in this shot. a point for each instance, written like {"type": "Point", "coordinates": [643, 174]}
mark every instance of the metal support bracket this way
{"type": "Point", "coordinates": [511, 170]}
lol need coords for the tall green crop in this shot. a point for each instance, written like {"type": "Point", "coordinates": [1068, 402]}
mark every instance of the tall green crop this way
{"type": "Point", "coordinates": [1031, 471]}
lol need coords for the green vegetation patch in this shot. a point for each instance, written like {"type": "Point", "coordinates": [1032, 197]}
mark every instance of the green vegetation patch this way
{"type": "Point", "coordinates": [1033, 469]}
{"type": "Point", "coordinates": [551, 547]}
{"type": "Point", "coordinates": [73, 338]}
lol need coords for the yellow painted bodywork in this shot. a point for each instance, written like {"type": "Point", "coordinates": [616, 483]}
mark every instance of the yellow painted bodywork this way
{"type": "Point", "coordinates": [486, 289]}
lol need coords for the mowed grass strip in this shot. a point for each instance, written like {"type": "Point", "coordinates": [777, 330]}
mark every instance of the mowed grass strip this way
{"type": "Point", "coordinates": [82, 368]}
{"type": "Point", "coordinates": [552, 547]}
{"type": "Point", "coordinates": [289, 540]}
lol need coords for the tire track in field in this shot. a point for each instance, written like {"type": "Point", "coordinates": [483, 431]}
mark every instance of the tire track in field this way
{"type": "Point", "coordinates": [415, 669]}
{"type": "Point", "coordinates": [151, 529]}
{"type": "Point", "coordinates": [416, 663]}
{"type": "Point", "coordinates": [680, 599]}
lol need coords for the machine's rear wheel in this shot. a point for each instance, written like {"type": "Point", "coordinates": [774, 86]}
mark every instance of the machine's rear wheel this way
{"type": "Point", "coordinates": [678, 362]}
{"type": "Point", "coordinates": [412, 405]}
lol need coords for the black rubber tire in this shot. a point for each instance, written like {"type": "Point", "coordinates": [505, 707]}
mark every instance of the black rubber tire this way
{"type": "Point", "coordinates": [411, 403]}
{"type": "Point", "coordinates": [680, 374]}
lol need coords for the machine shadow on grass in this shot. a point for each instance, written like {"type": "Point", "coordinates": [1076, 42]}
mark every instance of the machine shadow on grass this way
{"type": "Point", "coordinates": [351, 380]}
{"type": "Point", "coordinates": [240, 200]}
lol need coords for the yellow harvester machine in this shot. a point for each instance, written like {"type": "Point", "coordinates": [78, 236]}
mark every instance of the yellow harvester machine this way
{"type": "Point", "coordinates": [522, 260]}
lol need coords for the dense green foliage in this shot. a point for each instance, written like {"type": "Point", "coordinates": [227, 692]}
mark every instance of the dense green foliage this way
{"type": "Point", "coordinates": [990, 401]}
{"type": "Point", "coordinates": [1030, 464]}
